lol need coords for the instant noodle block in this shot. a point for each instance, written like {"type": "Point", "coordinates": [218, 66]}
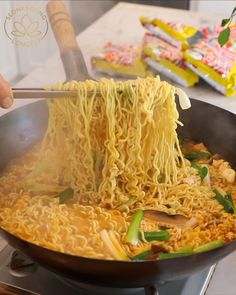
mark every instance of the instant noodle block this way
{"type": "Point", "coordinates": [213, 63]}
{"type": "Point", "coordinates": [179, 35]}
{"type": "Point", "coordinates": [121, 61]}
{"type": "Point", "coordinates": [168, 60]}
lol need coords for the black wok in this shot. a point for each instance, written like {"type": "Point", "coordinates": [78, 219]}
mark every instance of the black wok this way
{"type": "Point", "coordinates": [21, 128]}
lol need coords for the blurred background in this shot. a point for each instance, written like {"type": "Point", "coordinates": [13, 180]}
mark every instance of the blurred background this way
{"type": "Point", "coordinates": [17, 61]}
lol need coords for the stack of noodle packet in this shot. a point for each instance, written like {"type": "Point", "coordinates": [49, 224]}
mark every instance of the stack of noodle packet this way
{"type": "Point", "coordinates": [163, 48]}
{"type": "Point", "coordinates": [120, 61]}
{"type": "Point", "coordinates": [213, 63]}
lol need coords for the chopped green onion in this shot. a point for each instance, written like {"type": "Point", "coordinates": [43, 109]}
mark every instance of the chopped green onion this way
{"type": "Point", "coordinates": [161, 178]}
{"type": "Point", "coordinates": [209, 246]}
{"type": "Point", "coordinates": [113, 245]}
{"type": "Point", "coordinates": [133, 230]}
{"type": "Point", "coordinates": [163, 256]}
{"type": "Point", "coordinates": [202, 171]}
{"type": "Point", "coordinates": [230, 199]}
{"type": "Point", "coordinates": [226, 202]}
{"type": "Point", "coordinates": [198, 156]}
{"type": "Point", "coordinates": [65, 195]}
{"type": "Point", "coordinates": [186, 249]}
{"type": "Point", "coordinates": [162, 235]}
{"type": "Point", "coordinates": [195, 166]}
{"type": "Point", "coordinates": [142, 256]}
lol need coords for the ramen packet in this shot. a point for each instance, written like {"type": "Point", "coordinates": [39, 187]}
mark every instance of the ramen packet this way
{"type": "Point", "coordinates": [213, 63]}
{"type": "Point", "coordinates": [120, 61]}
{"type": "Point", "coordinates": [177, 34]}
{"type": "Point", "coordinates": [168, 60]}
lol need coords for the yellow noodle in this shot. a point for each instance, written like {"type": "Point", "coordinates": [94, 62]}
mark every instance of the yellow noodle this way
{"type": "Point", "coordinates": [116, 145]}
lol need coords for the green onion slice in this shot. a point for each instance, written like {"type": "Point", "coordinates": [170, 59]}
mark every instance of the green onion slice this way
{"type": "Point", "coordinates": [162, 235]}
{"type": "Point", "coordinates": [209, 246]}
{"type": "Point", "coordinates": [133, 230]}
{"type": "Point", "coordinates": [65, 195]}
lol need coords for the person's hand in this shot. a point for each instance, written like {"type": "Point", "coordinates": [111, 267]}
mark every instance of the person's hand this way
{"type": "Point", "coordinates": [6, 96]}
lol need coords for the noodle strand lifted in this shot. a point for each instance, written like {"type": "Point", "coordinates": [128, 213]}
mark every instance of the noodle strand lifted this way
{"type": "Point", "coordinates": [119, 139]}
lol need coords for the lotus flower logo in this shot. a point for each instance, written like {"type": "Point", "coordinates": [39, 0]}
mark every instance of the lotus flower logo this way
{"type": "Point", "coordinates": [26, 25]}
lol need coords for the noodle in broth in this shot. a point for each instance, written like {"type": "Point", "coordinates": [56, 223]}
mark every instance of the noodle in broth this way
{"type": "Point", "coordinates": [116, 148]}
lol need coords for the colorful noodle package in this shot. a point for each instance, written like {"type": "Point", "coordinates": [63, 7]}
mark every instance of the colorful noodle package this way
{"type": "Point", "coordinates": [213, 63]}
{"type": "Point", "coordinates": [179, 35]}
{"type": "Point", "coordinates": [168, 60]}
{"type": "Point", "coordinates": [121, 61]}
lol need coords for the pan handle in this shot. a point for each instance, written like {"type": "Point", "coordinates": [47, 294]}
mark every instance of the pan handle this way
{"type": "Point", "coordinates": [151, 290]}
{"type": "Point", "coordinates": [61, 25]}
{"type": "Point", "coordinates": [71, 55]}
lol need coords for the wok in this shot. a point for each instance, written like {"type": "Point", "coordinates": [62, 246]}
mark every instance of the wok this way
{"type": "Point", "coordinates": [21, 128]}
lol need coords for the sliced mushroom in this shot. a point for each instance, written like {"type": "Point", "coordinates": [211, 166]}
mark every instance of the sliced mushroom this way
{"type": "Point", "coordinates": [170, 220]}
{"type": "Point", "coordinates": [155, 249]}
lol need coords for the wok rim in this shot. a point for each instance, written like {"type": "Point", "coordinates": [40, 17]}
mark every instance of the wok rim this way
{"type": "Point", "coordinates": [108, 261]}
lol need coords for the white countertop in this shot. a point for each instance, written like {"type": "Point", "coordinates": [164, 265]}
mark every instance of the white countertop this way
{"type": "Point", "coordinates": [121, 24]}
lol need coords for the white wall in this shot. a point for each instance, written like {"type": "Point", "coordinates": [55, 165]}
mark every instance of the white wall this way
{"type": "Point", "coordinates": [84, 12]}
{"type": "Point", "coordinates": [33, 56]}
{"type": "Point", "coordinates": [213, 7]}
{"type": "Point", "coordinates": [8, 61]}
{"type": "Point", "coordinates": [15, 60]}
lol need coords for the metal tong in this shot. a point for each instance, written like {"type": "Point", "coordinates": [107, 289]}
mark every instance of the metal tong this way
{"type": "Point", "coordinates": [28, 93]}
{"type": "Point", "coordinates": [72, 58]}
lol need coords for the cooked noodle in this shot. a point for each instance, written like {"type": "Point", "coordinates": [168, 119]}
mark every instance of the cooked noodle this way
{"type": "Point", "coordinates": [116, 146]}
